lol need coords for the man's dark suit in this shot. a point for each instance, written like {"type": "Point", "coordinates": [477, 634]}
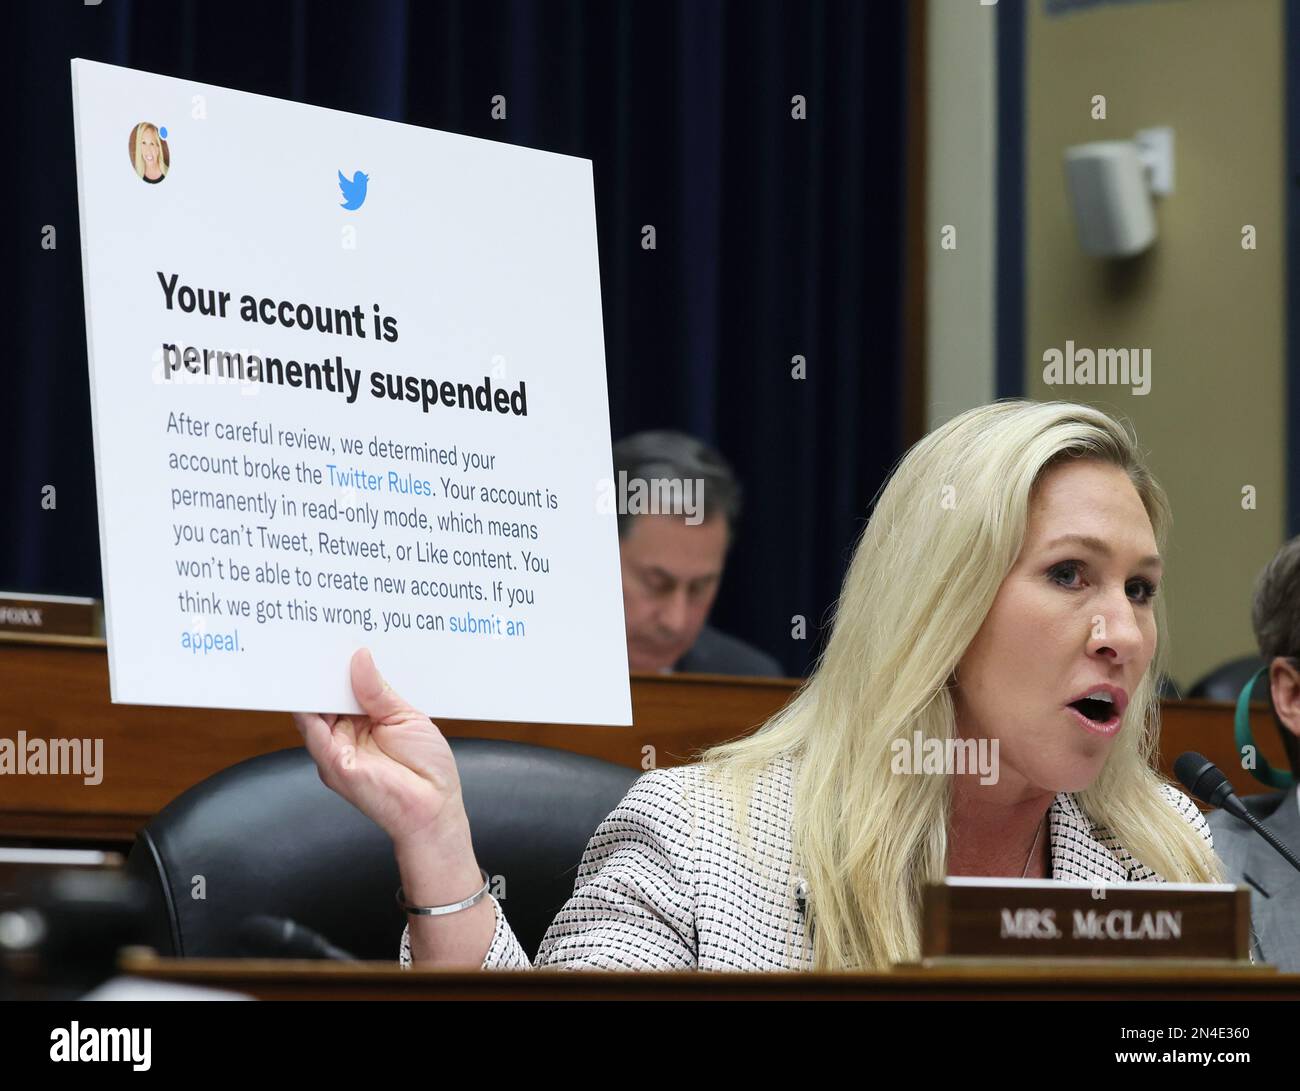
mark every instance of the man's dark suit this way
{"type": "Point", "coordinates": [718, 653]}
{"type": "Point", "coordinates": [1274, 884]}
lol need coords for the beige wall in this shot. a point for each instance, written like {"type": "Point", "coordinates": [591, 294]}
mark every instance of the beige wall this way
{"type": "Point", "coordinates": [961, 190]}
{"type": "Point", "coordinates": [1211, 313]}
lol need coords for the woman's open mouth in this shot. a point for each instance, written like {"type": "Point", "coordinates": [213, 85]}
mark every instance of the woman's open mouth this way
{"type": "Point", "coordinates": [1101, 711]}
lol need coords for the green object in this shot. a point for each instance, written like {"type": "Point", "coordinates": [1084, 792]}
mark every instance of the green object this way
{"type": "Point", "coordinates": [1262, 772]}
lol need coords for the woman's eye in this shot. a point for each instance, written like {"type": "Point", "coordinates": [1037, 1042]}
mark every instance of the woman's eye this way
{"type": "Point", "coordinates": [1064, 573]}
{"type": "Point", "coordinates": [1142, 590]}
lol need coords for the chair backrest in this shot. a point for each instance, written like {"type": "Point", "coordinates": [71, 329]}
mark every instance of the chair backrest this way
{"type": "Point", "coordinates": [1225, 682]}
{"type": "Point", "coordinates": [267, 837]}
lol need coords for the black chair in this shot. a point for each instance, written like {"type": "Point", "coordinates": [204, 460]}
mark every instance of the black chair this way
{"type": "Point", "coordinates": [1225, 682]}
{"type": "Point", "coordinates": [267, 837]}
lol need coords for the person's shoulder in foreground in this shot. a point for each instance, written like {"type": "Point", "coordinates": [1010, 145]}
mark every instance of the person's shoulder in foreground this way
{"type": "Point", "coordinates": [716, 652]}
{"type": "Point", "coordinates": [1235, 841]}
{"type": "Point", "coordinates": [1274, 884]}
{"type": "Point", "coordinates": [1247, 857]}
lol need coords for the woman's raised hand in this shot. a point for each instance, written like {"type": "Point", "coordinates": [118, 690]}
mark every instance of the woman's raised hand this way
{"type": "Point", "coordinates": [391, 763]}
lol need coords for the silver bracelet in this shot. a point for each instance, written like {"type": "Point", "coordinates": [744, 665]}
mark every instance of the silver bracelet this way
{"type": "Point", "coordinates": [440, 910]}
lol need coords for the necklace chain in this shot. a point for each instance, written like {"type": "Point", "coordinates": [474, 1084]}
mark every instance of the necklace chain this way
{"type": "Point", "coordinates": [1037, 834]}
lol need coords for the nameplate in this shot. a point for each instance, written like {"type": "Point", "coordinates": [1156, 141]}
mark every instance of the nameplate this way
{"type": "Point", "coordinates": [1035, 918]}
{"type": "Point", "coordinates": [49, 616]}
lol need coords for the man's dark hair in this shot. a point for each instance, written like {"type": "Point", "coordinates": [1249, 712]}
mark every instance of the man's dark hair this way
{"type": "Point", "coordinates": [1275, 616]}
{"type": "Point", "coordinates": [675, 456]}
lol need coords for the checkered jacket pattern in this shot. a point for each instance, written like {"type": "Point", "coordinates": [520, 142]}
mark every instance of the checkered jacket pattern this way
{"type": "Point", "coordinates": [666, 884]}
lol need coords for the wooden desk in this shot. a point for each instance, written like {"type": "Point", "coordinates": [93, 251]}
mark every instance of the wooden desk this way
{"type": "Point", "coordinates": [1021, 980]}
{"type": "Point", "coordinates": [153, 754]}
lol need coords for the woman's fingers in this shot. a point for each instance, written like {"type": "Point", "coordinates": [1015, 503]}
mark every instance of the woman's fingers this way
{"type": "Point", "coordinates": [316, 736]}
{"type": "Point", "coordinates": [345, 731]}
{"type": "Point", "coordinates": [330, 745]}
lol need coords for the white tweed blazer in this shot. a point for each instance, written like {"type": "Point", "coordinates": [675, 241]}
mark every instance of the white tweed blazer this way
{"type": "Point", "coordinates": [665, 884]}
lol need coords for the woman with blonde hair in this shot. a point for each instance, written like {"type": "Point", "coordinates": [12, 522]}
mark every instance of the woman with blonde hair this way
{"type": "Point", "coordinates": [148, 153]}
{"type": "Point", "coordinates": [1002, 600]}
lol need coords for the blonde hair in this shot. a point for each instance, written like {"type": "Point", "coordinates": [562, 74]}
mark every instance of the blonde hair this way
{"type": "Point", "coordinates": [922, 579]}
{"type": "Point", "coordinates": [138, 151]}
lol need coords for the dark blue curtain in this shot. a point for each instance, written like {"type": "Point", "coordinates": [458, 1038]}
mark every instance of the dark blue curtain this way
{"type": "Point", "coordinates": [776, 237]}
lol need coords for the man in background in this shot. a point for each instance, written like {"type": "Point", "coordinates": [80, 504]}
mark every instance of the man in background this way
{"type": "Point", "coordinates": [1247, 857]}
{"type": "Point", "coordinates": [673, 556]}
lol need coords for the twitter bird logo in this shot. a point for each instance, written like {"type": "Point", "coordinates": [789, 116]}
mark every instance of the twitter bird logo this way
{"type": "Point", "coordinates": [354, 191]}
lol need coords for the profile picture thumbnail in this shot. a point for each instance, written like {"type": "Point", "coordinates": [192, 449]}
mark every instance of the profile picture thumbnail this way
{"type": "Point", "coordinates": [150, 156]}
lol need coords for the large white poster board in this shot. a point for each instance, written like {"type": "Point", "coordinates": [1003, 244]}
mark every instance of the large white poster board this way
{"type": "Point", "coordinates": [348, 388]}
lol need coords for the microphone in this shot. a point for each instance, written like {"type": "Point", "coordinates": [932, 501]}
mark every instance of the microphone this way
{"type": "Point", "coordinates": [278, 937]}
{"type": "Point", "coordinates": [1206, 782]}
